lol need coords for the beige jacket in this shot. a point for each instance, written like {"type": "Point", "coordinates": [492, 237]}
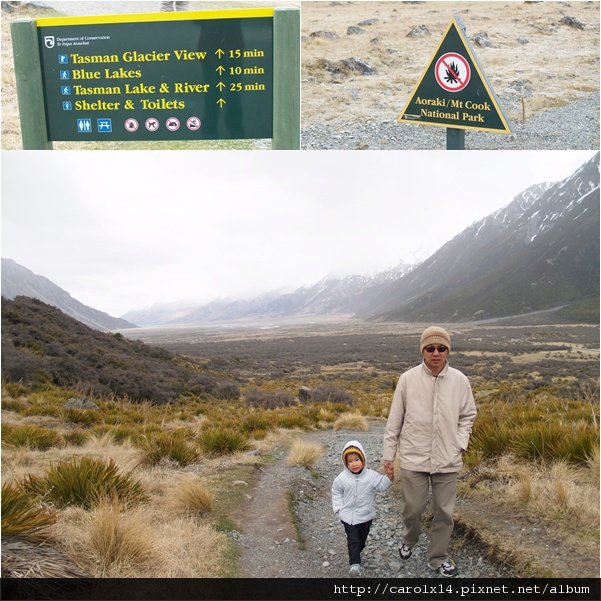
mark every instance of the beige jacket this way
{"type": "Point", "coordinates": [431, 417]}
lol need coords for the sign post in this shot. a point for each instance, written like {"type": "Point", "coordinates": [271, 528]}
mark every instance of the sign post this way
{"type": "Point", "coordinates": [206, 75]}
{"type": "Point", "coordinates": [30, 91]}
{"type": "Point", "coordinates": [453, 92]}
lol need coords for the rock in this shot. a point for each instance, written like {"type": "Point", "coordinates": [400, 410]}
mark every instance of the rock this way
{"type": "Point", "coordinates": [419, 31]}
{"type": "Point", "coordinates": [358, 65]}
{"type": "Point", "coordinates": [572, 22]}
{"type": "Point", "coordinates": [354, 30]}
{"type": "Point", "coordinates": [327, 35]}
{"type": "Point", "coordinates": [80, 403]}
{"type": "Point", "coordinates": [368, 22]}
{"type": "Point", "coordinates": [481, 39]}
{"type": "Point", "coordinates": [523, 41]}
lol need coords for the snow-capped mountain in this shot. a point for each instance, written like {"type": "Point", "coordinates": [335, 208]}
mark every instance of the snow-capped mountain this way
{"type": "Point", "coordinates": [540, 251]}
{"type": "Point", "coordinates": [330, 296]}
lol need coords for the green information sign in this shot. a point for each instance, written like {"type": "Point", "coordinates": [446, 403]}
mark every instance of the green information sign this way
{"type": "Point", "coordinates": [181, 76]}
{"type": "Point", "coordinates": [453, 91]}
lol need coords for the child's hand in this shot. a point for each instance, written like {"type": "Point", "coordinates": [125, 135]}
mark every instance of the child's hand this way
{"type": "Point", "coordinates": [389, 469]}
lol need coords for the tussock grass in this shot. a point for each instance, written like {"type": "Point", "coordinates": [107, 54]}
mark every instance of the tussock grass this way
{"type": "Point", "coordinates": [22, 516]}
{"type": "Point", "coordinates": [33, 437]}
{"type": "Point", "coordinates": [222, 441]}
{"type": "Point", "coordinates": [304, 454]}
{"type": "Point", "coordinates": [190, 496]}
{"type": "Point", "coordinates": [119, 543]}
{"type": "Point", "coordinates": [169, 447]}
{"type": "Point", "coordinates": [562, 493]}
{"type": "Point", "coordinates": [84, 482]}
{"type": "Point", "coordinates": [542, 429]}
{"type": "Point", "coordinates": [351, 421]}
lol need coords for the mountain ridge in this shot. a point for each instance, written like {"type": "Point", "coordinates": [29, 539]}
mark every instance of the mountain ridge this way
{"type": "Point", "coordinates": [534, 253]}
{"type": "Point", "coordinates": [20, 281]}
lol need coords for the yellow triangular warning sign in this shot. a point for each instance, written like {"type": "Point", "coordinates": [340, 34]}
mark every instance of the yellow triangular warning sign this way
{"type": "Point", "coordinates": [453, 90]}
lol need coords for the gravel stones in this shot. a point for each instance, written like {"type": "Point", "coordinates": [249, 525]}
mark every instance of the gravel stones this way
{"type": "Point", "coordinates": [574, 126]}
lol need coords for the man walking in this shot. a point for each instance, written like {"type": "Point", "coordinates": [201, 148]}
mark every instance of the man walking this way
{"type": "Point", "coordinates": [430, 421]}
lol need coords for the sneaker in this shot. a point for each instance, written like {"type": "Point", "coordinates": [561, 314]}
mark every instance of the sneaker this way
{"type": "Point", "coordinates": [446, 568]}
{"type": "Point", "coordinates": [405, 551]}
{"type": "Point", "coordinates": [356, 570]}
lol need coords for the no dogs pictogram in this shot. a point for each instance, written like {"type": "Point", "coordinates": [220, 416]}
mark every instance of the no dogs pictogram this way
{"type": "Point", "coordinates": [452, 72]}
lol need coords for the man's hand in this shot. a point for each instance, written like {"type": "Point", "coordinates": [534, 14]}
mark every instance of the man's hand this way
{"type": "Point", "coordinates": [389, 469]}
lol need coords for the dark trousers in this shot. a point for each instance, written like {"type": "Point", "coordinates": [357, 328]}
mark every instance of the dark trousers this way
{"type": "Point", "coordinates": [356, 537]}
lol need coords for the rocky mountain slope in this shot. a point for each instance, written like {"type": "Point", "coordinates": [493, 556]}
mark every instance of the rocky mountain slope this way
{"type": "Point", "coordinates": [20, 281]}
{"type": "Point", "coordinates": [538, 252]}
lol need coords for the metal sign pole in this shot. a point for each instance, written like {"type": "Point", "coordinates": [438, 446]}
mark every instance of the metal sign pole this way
{"type": "Point", "coordinates": [455, 139]}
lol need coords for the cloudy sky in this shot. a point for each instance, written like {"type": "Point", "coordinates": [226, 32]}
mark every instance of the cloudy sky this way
{"type": "Point", "coordinates": [125, 230]}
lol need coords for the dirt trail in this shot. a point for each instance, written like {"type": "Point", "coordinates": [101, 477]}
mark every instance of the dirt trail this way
{"type": "Point", "coordinates": [269, 544]}
{"type": "Point", "coordinates": [270, 549]}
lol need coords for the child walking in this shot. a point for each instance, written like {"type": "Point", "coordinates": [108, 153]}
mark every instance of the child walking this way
{"type": "Point", "coordinates": [353, 496]}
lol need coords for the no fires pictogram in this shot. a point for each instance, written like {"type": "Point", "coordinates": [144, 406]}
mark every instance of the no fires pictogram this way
{"type": "Point", "coordinates": [452, 72]}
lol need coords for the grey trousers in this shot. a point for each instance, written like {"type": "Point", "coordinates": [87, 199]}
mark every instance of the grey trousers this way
{"type": "Point", "coordinates": [415, 487]}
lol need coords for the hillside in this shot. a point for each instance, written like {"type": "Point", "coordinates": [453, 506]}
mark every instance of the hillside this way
{"type": "Point", "coordinates": [20, 281]}
{"type": "Point", "coordinates": [539, 252]}
{"type": "Point", "coordinates": [41, 345]}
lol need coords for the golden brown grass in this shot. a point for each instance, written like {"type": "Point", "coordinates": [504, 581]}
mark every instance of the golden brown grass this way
{"type": "Point", "coordinates": [304, 454]}
{"type": "Point", "coordinates": [351, 421]}
{"type": "Point", "coordinates": [400, 60]}
{"type": "Point", "coordinates": [562, 494]}
{"type": "Point", "coordinates": [189, 496]}
{"type": "Point", "coordinates": [119, 543]}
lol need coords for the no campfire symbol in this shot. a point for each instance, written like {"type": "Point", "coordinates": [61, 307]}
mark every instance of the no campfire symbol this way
{"type": "Point", "coordinates": [452, 72]}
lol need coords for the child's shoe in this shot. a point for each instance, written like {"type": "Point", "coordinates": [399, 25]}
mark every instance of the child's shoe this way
{"type": "Point", "coordinates": [356, 570]}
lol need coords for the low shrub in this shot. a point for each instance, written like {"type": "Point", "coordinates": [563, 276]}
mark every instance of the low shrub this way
{"type": "Point", "coordinates": [255, 397]}
{"type": "Point", "coordinates": [84, 482]}
{"type": "Point", "coordinates": [228, 391]}
{"type": "Point", "coordinates": [330, 393]}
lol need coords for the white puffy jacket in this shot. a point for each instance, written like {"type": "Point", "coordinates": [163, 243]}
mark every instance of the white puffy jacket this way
{"type": "Point", "coordinates": [353, 495]}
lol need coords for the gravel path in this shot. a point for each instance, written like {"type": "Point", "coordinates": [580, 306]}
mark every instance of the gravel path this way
{"type": "Point", "coordinates": [571, 127]}
{"type": "Point", "coordinates": [268, 544]}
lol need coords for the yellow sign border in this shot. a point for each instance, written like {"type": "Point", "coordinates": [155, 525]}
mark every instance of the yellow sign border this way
{"type": "Point", "coordinates": [483, 79]}
{"type": "Point", "coordinates": [242, 13]}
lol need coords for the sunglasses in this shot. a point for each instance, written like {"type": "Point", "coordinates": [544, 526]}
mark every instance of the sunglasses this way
{"type": "Point", "coordinates": [441, 348]}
